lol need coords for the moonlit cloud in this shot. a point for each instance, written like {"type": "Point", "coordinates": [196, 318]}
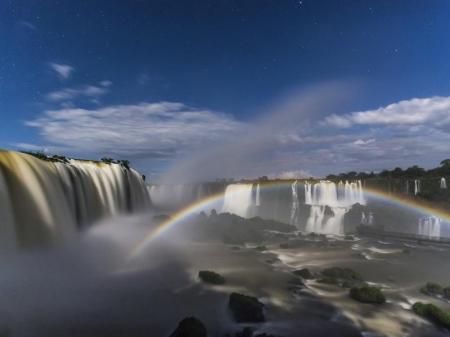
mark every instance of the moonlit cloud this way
{"type": "Point", "coordinates": [27, 24]}
{"type": "Point", "coordinates": [92, 92]}
{"type": "Point", "coordinates": [408, 112]}
{"type": "Point", "coordinates": [151, 130]}
{"type": "Point", "coordinates": [63, 71]}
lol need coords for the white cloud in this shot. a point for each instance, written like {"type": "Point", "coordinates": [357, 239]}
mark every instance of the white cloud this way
{"type": "Point", "coordinates": [408, 112]}
{"type": "Point", "coordinates": [93, 92]}
{"type": "Point", "coordinates": [160, 130]}
{"type": "Point", "coordinates": [27, 25]}
{"type": "Point", "coordinates": [361, 142]}
{"type": "Point", "coordinates": [63, 71]}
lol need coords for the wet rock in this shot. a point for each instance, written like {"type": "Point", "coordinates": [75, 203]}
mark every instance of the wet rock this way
{"type": "Point", "coordinates": [211, 277]}
{"type": "Point", "coordinates": [190, 327]}
{"type": "Point", "coordinates": [304, 273]}
{"type": "Point", "coordinates": [246, 308]}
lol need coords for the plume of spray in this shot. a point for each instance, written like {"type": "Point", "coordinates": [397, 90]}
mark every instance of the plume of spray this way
{"type": "Point", "coordinates": [257, 146]}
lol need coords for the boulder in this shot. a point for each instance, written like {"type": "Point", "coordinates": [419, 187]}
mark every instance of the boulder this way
{"type": "Point", "coordinates": [190, 327]}
{"type": "Point", "coordinates": [246, 308]}
{"type": "Point", "coordinates": [211, 277]}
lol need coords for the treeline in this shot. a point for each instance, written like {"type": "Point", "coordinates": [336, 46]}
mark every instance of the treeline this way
{"type": "Point", "coordinates": [397, 173]}
{"type": "Point", "coordinates": [62, 159]}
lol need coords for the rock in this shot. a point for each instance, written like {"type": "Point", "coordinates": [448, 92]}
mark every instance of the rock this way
{"type": "Point", "coordinates": [367, 294]}
{"type": "Point", "coordinates": [304, 273]}
{"type": "Point", "coordinates": [246, 308]}
{"type": "Point", "coordinates": [211, 277]}
{"type": "Point", "coordinates": [433, 313]}
{"type": "Point", "coordinates": [190, 327]}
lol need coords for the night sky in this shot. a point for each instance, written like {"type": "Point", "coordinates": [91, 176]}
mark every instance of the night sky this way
{"type": "Point", "coordinates": [153, 81]}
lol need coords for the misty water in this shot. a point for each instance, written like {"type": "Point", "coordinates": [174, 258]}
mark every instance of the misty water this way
{"type": "Point", "coordinates": [83, 254]}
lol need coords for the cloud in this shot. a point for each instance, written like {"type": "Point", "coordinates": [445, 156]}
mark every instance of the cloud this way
{"type": "Point", "coordinates": [64, 71]}
{"type": "Point", "coordinates": [27, 25]}
{"type": "Point", "coordinates": [150, 130]}
{"type": "Point", "coordinates": [415, 111]}
{"type": "Point", "coordinates": [93, 92]}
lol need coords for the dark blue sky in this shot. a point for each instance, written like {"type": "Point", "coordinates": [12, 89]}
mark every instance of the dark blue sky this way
{"type": "Point", "coordinates": [230, 57]}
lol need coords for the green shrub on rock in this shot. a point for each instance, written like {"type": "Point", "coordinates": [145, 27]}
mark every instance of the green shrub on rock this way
{"type": "Point", "coordinates": [431, 289]}
{"type": "Point", "coordinates": [367, 294]}
{"type": "Point", "coordinates": [433, 313]}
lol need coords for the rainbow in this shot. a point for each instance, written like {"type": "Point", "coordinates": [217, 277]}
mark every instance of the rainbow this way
{"type": "Point", "coordinates": [208, 202]}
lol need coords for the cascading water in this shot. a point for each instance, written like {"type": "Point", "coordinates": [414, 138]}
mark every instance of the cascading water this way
{"type": "Point", "coordinates": [443, 183]}
{"type": "Point", "coordinates": [44, 201]}
{"type": "Point", "coordinates": [416, 186]}
{"type": "Point", "coordinates": [238, 199]}
{"type": "Point", "coordinates": [295, 204]}
{"type": "Point", "coordinates": [338, 198]}
{"type": "Point", "coordinates": [175, 195]}
{"type": "Point", "coordinates": [258, 196]}
{"type": "Point", "coordinates": [430, 226]}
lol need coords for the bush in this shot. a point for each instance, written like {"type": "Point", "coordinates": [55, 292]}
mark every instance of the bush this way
{"type": "Point", "coordinates": [433, 313]}
{"type": "Point", "coordinates": [211, 277]}
{"type": "Point", "coordinates": [446, 292]}
{"type": "Point", "coordinates": [345, 277]}
{"type": "Point", "coordinates": [246, 308]}
{"type": "Point", "coordinates": [367, 294]}
{"type": "Point", "coordinates": [431, 289]}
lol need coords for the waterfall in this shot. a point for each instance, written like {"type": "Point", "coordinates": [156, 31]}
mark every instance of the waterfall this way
{"type": "Point", "coordinates": [170, 196]}
{"type": "Point", "coordinates": [416, 186]}
{"type": "Point", "coordinates": [430, 226]}
{"type": "Point", "coordinates": [339, 198]}
{"type": "Point", "coordinates": [43, 201]}
{"type": "Point", "coordinates": [443, 183]}
{"type": "Point", "coordinates": [295, 204]}
{"type": "Point", "coordinates": [238, 199]}
{"type": "Point", "coordinates": [258, 198]}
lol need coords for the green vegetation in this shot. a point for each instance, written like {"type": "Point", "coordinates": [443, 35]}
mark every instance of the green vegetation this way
{"type": "Point", "coordinates": [433, 313]}
{"type": "Point", "coordinates": [42, 156]}
{"type": "Point", "coordinates": [211, 277]}
{"type": "Point", "coordinates": [344, 277]}
{"type": "Point", "coordinates": [397, 173]}
{"type": "Point", "coordinates": [431, 289]}
{"type": "Point", "coordinates": [62, 159]}
{"type": "Point", "coordinates": [367, 294]}
{"type": "Point", "coordinates": [435, 290]}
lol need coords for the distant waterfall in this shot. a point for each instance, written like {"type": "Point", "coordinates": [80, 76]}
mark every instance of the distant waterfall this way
{"type": "Point", "coordinates": [44, 201]}
{"type": "Point", "coordinates": [175, 195]}
{"type": "Point", "coordinates": [430, 226]}
{"type": "Point", "coordinates": [295, 204]}
{"type": "Point", "coordinates": [417, 186]}
{"type": "Point", "coordinates": [443, 183]}
{"type": "Point", "coordinates": [238, 199]}
{"type": "Point", "coordinates": [367, 220]}
{"type": "Point", "coordinates": [338, 198]}
{"type": "Point", "coordinates": [258, 196]}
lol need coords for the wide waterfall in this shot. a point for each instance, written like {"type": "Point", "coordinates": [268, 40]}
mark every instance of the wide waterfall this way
{"type": "Point", "coordinates": [329, 203]}
{"type": "Point", "coordinates": [430, 226]}
{"type": "Point", "coordinates": [238, 199]}
{"type": "Point", "coordinates": [43, 201]}
{"type": "Point", "coordinates": [443, 183]}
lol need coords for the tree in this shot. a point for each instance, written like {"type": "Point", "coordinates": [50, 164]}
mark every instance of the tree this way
{"type": "Point", "coordinates": [445, 163]}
